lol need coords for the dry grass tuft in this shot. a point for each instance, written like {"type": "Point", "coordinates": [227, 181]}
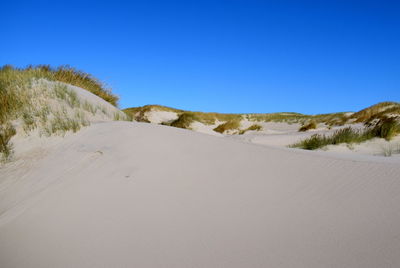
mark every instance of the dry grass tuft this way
{"type": "Point", "coordinates": [184, 120]}
{"type": "Point", "coordinates": [229, 125]}
{"type": "Point", "coordinates": [7, 131]}
{"type": "Point", "coordinates": [385, 129]}
{"type": "Point", "coordinates": [255, 127]}
{"type": "Point", "coordinates": [308, 126]}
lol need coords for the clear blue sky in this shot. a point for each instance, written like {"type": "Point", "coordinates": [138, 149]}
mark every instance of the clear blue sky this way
{"type": "Point", "coordinates": [224, 56]}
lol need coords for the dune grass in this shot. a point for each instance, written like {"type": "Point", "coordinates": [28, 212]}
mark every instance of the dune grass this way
{"type": "Point", "coordinates": [390, 148]}
{"type": "Point", "coordinates": [7, 131]}
{"type": "Point", "coordinates": [377, 111]}
{"type": "Point", "coordinates": [63, 74]}
{"type": "Point", "coordinates": [308, 126]}
{"type": "Point", "coordinates": [61, 123]}
{"type": "Point", "coordinates": [229, 125]}
{"type": "Point", "coordinates": [27, 97]}
{"type": "Point", "coordinates": [255, 127]}
{"type": "Point", "coordinates": [385, 129]}
{"type": "Point", "coordinates": [184, 120]}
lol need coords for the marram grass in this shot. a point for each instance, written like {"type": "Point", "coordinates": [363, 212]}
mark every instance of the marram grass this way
{"type": "Point", "coordinates": [63, 74]}
{"type": "Point", "coordinates": [25, 95]}
{"type": "Point", "coordinates": [385, 128]}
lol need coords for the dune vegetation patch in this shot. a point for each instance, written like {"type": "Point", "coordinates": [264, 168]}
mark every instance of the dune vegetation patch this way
{"type": "Point", "coordinates": [184, 120]}
{"type": "Point", "coordinates": [65, 74]}
{"type": "Point", "coordinates": [390, 149]}
{"type": "Point", "coordinates": [377, 111]}
{"type": "Point", "coordinates": [254, 127]}
{"type": "Point", "coordinates": [7, 131]}
{"type": "Point", "coordinates": [231, 125]}
{"type": "Point", "coordinates": [278, 117]}
{"type": "Point", "coordinates": [386, 129]}
{"type": "Point", "coordinates": [308, 126]}
{"type": "Point", "coordinates": [28, 102]}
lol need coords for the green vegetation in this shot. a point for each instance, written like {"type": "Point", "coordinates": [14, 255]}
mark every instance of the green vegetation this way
{"type": "Point", "coordinates": [63, 93]}
{"type": "Point", "coordinates": [308, 126]}
{"type": "Point", "coordinates": [29, 102]}
{"type": "Point", "coordinates": [140, 114]}
{"type": "Point", "coordinates": [184, 120]}
{"type": "Point", "coordinates": [254, 127]}
{"type": "Point", "coordinates": [6, 133]}
{"type": "Point", "coordinates": [63, 74]}
{"type": "Point", "coordinates": [377, 111]}
{"type": "Point", "coordinates": [278, 117]}
{"type": "Point", "coordinates": [229, 125]}
{"type": "Point", "coordinates": [61, 123]}
{"type": "Point", "coordinates": [386, 129]}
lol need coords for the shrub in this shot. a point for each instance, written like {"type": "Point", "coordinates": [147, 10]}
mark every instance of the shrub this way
{"type": "Point", "coordinates": [306, 127]}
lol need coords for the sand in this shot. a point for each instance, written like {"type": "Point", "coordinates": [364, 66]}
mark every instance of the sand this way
{"type": "Point", "coordinates": [122, 194]}
{"type": "Point", "coordinates": [127, 194]}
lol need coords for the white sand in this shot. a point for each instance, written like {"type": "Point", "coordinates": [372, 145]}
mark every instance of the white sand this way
{"type": "Point", "coordinates": [124, 194]}
{"type": "Point", "coordinates": [206, 129]}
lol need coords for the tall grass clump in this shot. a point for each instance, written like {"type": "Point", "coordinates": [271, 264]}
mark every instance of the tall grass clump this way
{"type": "Point", "coordinates": [255, 127]}
{"type": "Point", "coordinates": [308, 126]}
{"type": "Point", "coordinates": [61, 124]}
{"type": "Point", "coordinates": [344, 135]}
{"type": "Point", "coordinates": [12, 104]}
{"type": "Point", "coordinates": [7, 131]}
{"type": "Point", "coordinates": [385, 129]}
{"type": "Point", "coordinates": [229, 125]}
{"type": "Point", "coordinates": [184, 120]}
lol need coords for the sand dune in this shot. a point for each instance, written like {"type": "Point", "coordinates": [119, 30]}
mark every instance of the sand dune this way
{"type": "Point", "coordinates": [122, 194]}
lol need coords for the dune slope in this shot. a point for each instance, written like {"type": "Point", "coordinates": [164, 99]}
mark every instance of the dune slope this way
{"type": "Point", "coordinates": [122, 194]}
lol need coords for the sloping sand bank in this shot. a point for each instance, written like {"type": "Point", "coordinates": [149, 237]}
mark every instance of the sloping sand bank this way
{"type": "Point", "coordinates": [124, 194]}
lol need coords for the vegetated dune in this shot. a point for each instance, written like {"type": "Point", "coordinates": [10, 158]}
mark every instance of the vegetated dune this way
{"type": "Point", "coordinates": [51, 109]}
{"type": "Point", "coordinates": [122, 194]}
{"type": "Point", "coordinates": [290, 129]}
{"type": "Point", "coordinates": [154, 114]}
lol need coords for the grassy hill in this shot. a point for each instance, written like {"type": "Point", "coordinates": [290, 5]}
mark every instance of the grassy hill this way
{"type": "Point", "coordinates": [50, 101]}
